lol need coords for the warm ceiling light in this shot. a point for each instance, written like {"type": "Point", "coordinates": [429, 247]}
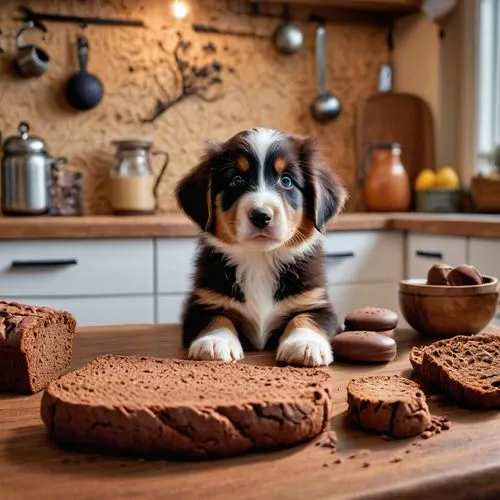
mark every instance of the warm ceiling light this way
{"type": "Point", "coordinates": [180, 9]}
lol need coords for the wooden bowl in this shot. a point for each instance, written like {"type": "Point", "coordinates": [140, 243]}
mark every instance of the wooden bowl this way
{"type": "Point", "coordinates": [445, 311]}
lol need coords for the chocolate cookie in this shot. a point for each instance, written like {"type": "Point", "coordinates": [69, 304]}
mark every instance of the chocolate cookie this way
{"type": "Point", "coordinates": [464, 275]}
{"type": "Point", "coordinates": [364, 346]}
{"type": "Point", "coordinates": [438, 274]}
{"type": "Point", "coordinates": [373, 319]}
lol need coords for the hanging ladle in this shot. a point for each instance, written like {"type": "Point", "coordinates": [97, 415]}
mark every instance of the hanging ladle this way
{"type": "Point", "coordinates": [326, 106]}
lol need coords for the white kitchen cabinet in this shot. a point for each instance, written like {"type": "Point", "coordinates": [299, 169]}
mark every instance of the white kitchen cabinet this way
{"type": "Point", "coordinates": [347, 297]}
{"type": "Point", "coordinates": [364, 257]}
{"type": "Point", "coordinates": [484, 254]}
{"type": "Point", "coordinates": [170, 307]}
{"type": "Point", "coordinates": [175, 264]}
{"type": "Point", "coordinates": [82, 267]}
{"type": "Point", "coordinates": [423, 251]}
{"type": "Point", "coordinates": [95, 311]}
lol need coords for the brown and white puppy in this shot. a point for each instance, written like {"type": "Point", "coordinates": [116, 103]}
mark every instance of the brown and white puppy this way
{"type": "Point", "coordinates": [261, 200]}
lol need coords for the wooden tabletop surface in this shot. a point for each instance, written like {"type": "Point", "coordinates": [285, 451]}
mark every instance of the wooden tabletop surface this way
{"type": "Point", "coordinates": [463, 462]}
{"type": "Point", "coordinates": [175, 224]}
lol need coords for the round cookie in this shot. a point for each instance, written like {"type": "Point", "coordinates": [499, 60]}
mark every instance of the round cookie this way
{"type": "Point", "coordinates": [374, 319]}
{"type": "Point", "coordinates": [364, 346]}
{"type": "Point", "coordinates": [464, 275]}
{"type": "Point", "coordinates": [438, 274]}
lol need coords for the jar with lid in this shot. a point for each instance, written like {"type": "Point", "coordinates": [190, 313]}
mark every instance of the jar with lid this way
{"type": "Point", "coordinates": [386, 186]}
{"type": "Point", "coordinates": [134, 187]}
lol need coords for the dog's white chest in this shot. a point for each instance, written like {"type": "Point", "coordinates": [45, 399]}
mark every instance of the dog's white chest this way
{"type": "Point", "coordinates": [257, 278]}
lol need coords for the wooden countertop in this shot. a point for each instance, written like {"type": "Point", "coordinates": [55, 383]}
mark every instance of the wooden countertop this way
{"type": "Point", "coordinates": [463, 462]}
{"type": "Point", "coordinates": [176, 224]}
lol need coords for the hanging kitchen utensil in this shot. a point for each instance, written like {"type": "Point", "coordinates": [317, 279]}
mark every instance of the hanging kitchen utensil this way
{"type": "Point", "coordinates": [31, 60]}
{"type": "Point", "coordinates": [84, 90]}
{"type": "Point", "coordinates": [326, 106]}
{"type": "Point", "coordinates": [288, 37]}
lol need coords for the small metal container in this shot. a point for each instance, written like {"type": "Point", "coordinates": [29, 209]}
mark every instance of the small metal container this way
{"type": "Point", "coordinates": [438, 200]}
{"type": "Point", "coordinates": [26, 174]}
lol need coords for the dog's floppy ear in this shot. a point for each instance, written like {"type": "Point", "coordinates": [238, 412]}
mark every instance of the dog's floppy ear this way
{"type": "Point", "coordinates": [327, 189]}
{"type": "Point", "coordinates": [194, 191]}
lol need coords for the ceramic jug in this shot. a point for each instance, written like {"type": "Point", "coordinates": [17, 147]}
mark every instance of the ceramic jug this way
{"type": "Point", "coordinates": [386, 185]}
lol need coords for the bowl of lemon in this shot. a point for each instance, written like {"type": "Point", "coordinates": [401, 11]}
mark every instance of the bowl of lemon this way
{"type": "Point", "coordinates": [438, 191]}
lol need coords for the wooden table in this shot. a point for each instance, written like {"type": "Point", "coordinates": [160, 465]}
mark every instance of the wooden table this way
{"type": "Point", "coordinates": [463, 462]}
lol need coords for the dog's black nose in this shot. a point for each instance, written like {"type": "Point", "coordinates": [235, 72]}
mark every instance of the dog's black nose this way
{"type": "Point", "coordinates": [260, 217]}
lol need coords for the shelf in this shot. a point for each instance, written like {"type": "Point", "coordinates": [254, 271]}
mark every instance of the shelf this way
{"type": "Point", "coordinates": [380, 6]}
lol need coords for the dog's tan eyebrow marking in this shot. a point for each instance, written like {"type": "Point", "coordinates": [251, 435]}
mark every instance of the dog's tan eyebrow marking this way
{"type": "Point", "coordinates": [280, 164]}
{"type": "Point", "coordinates": [243, 164]}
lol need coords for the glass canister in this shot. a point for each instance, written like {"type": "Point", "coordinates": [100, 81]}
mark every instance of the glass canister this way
{"type": "Point", "coordinates": [386, 186]}
{"type": "Point", "coordinates": [134, 187]}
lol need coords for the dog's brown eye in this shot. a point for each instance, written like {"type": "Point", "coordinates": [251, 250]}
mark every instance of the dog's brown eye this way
{"type": "Point", "coordinates": [286, 181]}
{"type": "Point", "coordinates": [236, 181]}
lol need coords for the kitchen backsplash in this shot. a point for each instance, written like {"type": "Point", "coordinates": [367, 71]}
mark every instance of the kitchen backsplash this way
{"type": "Point", "coordinates": [136, 65]}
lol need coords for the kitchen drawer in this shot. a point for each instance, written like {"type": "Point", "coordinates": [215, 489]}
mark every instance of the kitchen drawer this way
{"type": "Point", "coordinates": [76, 267]}
{"type": "Point", "coordinates": [170, 307]}
{"type": "Point", "coordinates": [484, 253]}
{"type": "Point", "coordinates": [347, 297]}
{"type": "Point", "coordinates": [364, 256]}
{"type": "Point", "coordinates": [175, 264]}
{"type": "Point", "coordinates": [423, 251]}
{"type": "Point", "coordinates": [95, 311]}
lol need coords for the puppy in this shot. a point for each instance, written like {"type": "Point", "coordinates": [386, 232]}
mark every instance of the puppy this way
{"type": "Point", "coordinates": [261, 201]}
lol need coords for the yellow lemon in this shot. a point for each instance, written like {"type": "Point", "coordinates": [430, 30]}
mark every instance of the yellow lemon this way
{"type": "Point", "coordinates": [425, 179]}
{"type": "Point", "coordinates": [447, 178]}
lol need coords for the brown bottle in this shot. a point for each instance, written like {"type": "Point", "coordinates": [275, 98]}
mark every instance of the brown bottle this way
{"type": "Point", "coordinates": [387, 186]}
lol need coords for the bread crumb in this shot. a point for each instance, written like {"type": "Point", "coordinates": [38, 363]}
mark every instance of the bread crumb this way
{"type": "Point", "coordinates": [353, 455]}
{"type": "Point", "coordinates": [407, 451]}
{"type": "Point", "coordinates": [363, 453]}
{"type": "Point", "coordinates": [325, 465]}
{"type": "Point", "coordinates": [396, 460]}
{"type": "Point", "coordinates": [338, 461]}
{"type": "Point", "coordinates": [385, 437]}
{"type": "Point", "coordinates": [366, 464]}
{"type": "Point", "coordinates": [328, 440]}
{"type": "Point", "coordinates": [426, 434]}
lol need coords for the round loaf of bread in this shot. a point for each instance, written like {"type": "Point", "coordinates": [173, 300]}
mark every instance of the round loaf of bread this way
{"type": "Point", "coordinates": [165, 407]}
{"type": "Point", "coordinates": [387, 404]}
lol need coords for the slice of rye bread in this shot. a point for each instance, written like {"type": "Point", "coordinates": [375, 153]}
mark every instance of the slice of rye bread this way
{"type": "Point", "coordinates": [467, 368]}
{"type": "Point", "coordinates": [416, 354]}
{"type": "Point", "coordinates": [154, 406]}
{"type": "Point", "coordinates": [36, 346]}
{"type": "Point", "coordinates": [388, 404]}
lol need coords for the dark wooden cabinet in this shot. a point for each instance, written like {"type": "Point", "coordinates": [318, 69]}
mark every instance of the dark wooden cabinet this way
{"type": "Point", "coordinates": [388, 6]}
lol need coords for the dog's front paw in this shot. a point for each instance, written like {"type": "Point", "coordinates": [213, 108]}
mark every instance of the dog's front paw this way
{"type": "Point", "coordinates": [218, 345]}
{"type": "Point", "coordinates": [305, 347]}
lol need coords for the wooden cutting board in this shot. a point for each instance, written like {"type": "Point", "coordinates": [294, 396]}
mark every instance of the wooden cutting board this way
{"type": "Point", "coordinates": [397, 117]}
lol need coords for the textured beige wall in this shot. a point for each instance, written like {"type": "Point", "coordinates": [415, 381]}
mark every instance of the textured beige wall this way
{"type": "Point", "coordinates": [429, 67]}
{"type": "Point", "coordinates": [267, 89]}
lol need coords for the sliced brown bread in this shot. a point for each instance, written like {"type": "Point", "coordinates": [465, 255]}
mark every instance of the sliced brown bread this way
{"type": "Point", "coordinates": [148, 406]}
{"type": "Point", "coordinates": [466, 368]}
{"type": "Point", "coordinates": [36, 346]}
{"type": "Point", "coordinates": [416, 356]}
{"type": "Point", "coordinates": [388, 404]}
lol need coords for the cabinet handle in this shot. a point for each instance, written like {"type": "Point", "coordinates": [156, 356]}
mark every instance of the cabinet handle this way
{"type": "Point", "coordinates": [429, 255]}
{"type": "Point", "coordinates": [339, 255]}
{"type": "Point", "coordinates": [43, 263]}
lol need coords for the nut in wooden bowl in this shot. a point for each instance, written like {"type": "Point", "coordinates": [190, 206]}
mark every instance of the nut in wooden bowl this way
{"type": "Point", "coordinates": [445, 311]}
